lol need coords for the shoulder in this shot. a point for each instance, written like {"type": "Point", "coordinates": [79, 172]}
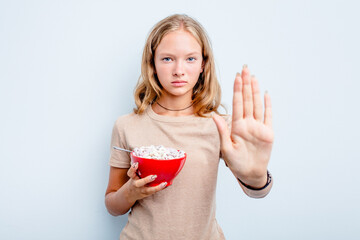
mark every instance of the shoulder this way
{"type": "Point", "coordinates": [124, 120]}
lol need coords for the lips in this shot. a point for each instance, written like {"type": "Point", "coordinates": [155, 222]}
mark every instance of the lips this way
{"type": "Point", "coordinates": [179, 81]}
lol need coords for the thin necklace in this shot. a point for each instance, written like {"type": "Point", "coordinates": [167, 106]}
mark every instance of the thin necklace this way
{"type": "Point", "coordinates": [174, 109]}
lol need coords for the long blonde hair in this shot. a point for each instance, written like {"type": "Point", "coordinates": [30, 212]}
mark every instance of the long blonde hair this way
{"type": "Point", "coordinates": [206, 95]}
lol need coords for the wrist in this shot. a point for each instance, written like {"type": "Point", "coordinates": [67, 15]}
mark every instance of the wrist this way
{"type": "Point", "coordinates": [129, 198]}
{"type": "Point", "coordinates": [257, 183]}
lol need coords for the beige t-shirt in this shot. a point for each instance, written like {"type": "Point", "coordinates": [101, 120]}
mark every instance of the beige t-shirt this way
{"type": "Point", "coordinates": [186, 209]}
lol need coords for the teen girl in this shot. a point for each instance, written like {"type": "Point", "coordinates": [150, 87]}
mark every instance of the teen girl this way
{"type": "Point", "coordinates": [177, 100]}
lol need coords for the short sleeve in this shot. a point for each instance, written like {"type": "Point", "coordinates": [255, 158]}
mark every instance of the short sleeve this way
{"type": "Point", "coordinates": [228, 119]}
{"type": "Point", "coordinates": [119, 159]}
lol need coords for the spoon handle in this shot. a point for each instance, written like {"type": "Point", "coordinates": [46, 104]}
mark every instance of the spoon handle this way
{"type": "Point", "coordinates": [121, 149]}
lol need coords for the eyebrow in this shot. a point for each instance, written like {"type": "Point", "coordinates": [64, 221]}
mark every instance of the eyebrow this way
{"type": "Point", "coordinates": [169, 54]}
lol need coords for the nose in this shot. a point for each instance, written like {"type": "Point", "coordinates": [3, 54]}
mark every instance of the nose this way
{"type": "Point", "coordinates": [179, 69]}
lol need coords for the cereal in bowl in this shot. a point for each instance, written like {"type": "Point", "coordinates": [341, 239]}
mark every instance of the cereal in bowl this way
{"type": "Point", "coordinates": [158, 152]}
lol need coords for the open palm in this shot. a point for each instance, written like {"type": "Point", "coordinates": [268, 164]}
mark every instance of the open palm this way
{"type": "Point", "coordinates": [247, 147]}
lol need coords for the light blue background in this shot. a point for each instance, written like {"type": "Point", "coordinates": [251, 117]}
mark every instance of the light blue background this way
{"type": "Point", "coordinates": [68, 70]}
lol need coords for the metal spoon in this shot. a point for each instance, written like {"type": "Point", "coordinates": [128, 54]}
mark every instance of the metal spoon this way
{"type": "Point", "coordinates": [121, 149]}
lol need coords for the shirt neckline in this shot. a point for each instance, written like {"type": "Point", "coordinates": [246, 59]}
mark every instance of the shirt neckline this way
{"type": "Point", "coordinates": [150, 112]}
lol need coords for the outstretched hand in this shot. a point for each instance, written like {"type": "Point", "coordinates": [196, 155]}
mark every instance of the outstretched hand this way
{"type": "Point", "coordinates": [247, 148]}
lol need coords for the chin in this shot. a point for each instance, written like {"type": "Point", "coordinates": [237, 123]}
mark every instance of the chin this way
{"type": "Point", "coordinates": [178, 93]}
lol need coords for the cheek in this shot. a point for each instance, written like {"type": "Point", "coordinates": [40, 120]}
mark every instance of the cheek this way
{"type": "Point", "coordinates": [195, 69]}
{"type": "Point", "coordinates": [162, 69]}
{"type": "Point", "coordinates": [162, 73]}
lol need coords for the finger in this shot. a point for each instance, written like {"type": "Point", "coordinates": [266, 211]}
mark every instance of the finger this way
{"type": "Point", "coordinates": [247, 92]}
{"type": "Point", "coordinates": [143, 181]}
{"type": "Point", "coordinates": [225, 140]}
{"type": "Point", "coordinates": [152, 190]}
{"type": "Point", "coordinates": [258, 108]}
{"type": "Point", "coordinates": [268, 110]}
{"type": "Point", "coordinates": [237, 99]}
{"type": "Point", "coordinates": [132, 171]}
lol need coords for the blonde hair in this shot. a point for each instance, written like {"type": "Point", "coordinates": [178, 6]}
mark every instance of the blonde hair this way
{"type": "Point", "coordinates": [206, 95]}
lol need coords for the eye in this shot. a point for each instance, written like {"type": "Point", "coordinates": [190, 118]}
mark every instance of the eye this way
{"type": "Point", "coordinates": [192, 58]}
{"type": "Point", "coordinates": [165, 59]}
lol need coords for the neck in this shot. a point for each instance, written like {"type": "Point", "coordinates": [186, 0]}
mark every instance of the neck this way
{"type": "Point", "coordinates": [173, 108]}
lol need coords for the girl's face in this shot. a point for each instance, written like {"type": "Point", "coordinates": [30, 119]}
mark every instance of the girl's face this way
{"type": "Point", "coordinates": [178, 63]}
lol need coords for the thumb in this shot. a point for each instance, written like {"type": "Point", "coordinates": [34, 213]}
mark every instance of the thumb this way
{"type": "Point", "coordinates": [132, 172]}
{"type": "Point", "coordinates": [225, 140]}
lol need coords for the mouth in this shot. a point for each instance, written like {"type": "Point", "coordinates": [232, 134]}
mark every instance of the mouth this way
{"type": "Point", "coordinates": [179, 83]}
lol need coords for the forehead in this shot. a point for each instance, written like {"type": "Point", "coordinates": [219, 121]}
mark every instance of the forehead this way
{"type": "Point", "coordinates": [178, 42]}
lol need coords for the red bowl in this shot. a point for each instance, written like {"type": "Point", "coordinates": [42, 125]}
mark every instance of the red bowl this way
{"type": "Point", "coordinates": [166, 170]}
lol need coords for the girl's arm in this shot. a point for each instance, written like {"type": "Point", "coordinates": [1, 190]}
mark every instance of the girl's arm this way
{"type": "Point", "coordinates": [246, 149]}
{"type": "Point", "coordinates": [125, 188]}
{"type": "Point", "coordinates": [116, 200]}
